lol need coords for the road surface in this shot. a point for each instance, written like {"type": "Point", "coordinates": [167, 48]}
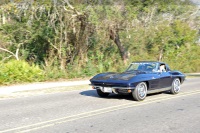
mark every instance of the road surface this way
{"type": "Point", "coordinates": [82, 111]}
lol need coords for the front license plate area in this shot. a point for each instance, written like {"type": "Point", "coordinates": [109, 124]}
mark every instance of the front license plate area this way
{"type": "Point", "coordinates": [107, 89]}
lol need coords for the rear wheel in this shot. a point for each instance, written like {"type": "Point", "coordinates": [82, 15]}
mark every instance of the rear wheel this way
{"type": "Point", "coordinates": [140, 92]}
{"type": "Point", "coordinates": [175, 86]}
{"type": "Point", "coordinates": [102, 94]}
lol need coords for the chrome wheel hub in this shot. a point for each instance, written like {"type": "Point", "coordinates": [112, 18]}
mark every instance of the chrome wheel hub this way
{"type": "Point", "coordinates": [177, 85]}
{"type": "Point", "coordinates": [142, 91]}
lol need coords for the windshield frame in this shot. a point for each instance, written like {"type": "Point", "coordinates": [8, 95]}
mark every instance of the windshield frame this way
{"type": "Point", "coordinates": [143, 66]}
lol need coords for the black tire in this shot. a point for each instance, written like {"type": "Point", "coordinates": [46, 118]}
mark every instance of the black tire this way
{"type": "Point", "coordinates": [102, 94]}
{"type": "Point", "coordinates": [175, 88]}
{"type": "Point", "coordinates": [140, 92]}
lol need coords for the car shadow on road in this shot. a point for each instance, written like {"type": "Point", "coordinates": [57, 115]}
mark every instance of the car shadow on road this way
{"type": "Point", "coordinates": [93, 93]}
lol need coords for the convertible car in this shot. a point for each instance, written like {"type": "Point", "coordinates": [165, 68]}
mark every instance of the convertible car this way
{"type": "Point", "coordinates": [141, 78]}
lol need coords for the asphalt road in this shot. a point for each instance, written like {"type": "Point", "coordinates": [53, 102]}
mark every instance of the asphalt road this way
{"type": "Point", "coordinates": [83, 111]}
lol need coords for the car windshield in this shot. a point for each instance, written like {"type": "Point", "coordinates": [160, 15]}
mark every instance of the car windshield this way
{"type": "Point", "coordinates": [142, 67]}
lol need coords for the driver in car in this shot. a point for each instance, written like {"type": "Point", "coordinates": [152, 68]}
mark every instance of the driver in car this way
{"type": "Point", "coordinates": [162, 68]}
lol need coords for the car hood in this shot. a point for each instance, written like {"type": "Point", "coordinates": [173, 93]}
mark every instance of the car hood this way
{"type": "Point", "coordinates": [116, 76]}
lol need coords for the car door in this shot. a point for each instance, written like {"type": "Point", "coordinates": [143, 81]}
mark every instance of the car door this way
{"type": "Point", "coordinates": [165, 79]}
{"type": "Point", "coordinates": [154, 81]}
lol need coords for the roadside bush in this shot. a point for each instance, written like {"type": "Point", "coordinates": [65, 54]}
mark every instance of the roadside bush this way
{"type": "Point", "coordinates": [54, 73]}
{"type": "Point", "coordinates": [19, 72]}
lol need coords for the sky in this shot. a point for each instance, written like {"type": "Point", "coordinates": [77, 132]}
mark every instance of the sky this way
{"type": "Point", "coordinates": [197, 2]}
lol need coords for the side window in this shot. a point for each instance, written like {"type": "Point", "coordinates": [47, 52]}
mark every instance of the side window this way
{"type": "Point", "coordinates": [151, 67]}
{"type": "Point", "coordinates": [167, 68]}
{"type": "Point", "coordinates": [156, 67]}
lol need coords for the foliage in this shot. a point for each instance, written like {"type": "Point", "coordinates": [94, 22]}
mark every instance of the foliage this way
{"type": "Point", "coordinates": [186, 58]}
{"type": "Point", "coordinates": [88, 37]}
{"type": "Point", "coordinates": [19, 71]}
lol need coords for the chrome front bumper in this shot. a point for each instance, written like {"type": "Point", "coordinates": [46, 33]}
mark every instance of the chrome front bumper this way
{"type": "Point", "coordinates": [115, 90]}
{"type": "Point", "coordinates": [129, 88]}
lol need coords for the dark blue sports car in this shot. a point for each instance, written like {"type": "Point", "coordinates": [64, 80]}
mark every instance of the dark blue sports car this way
{"type": "Point", "coordinates": [141, 78]}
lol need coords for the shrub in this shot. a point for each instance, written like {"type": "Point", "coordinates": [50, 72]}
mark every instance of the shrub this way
{"type": "Point", "coordinates": [19, 72]}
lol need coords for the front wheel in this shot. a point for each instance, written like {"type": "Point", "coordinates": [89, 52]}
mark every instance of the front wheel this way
{"type": "Point", "coordinates": [175, 89]}
{"type": "Point", "coordinates": [140, 92]}
{"type": "Point", "coordinates": [102, 94]}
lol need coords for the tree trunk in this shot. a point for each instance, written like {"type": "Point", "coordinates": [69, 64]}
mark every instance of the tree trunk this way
{"type": "Point", "coordinates": [123, 53]}
{"type": "Point", "coordinates": [3, 18]}
{"type": "Point", "coordinates": [160, 55]}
